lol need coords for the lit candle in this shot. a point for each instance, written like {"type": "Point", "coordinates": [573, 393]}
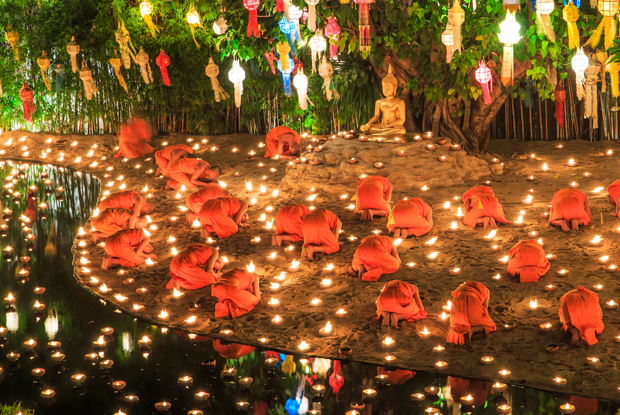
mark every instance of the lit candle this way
{"type": "Point", "coordinates": [571, 162]}
{"type": "Point", "coordinates": [611, 305]}
{"type": "Point", "coordinates": [592, 360]}
{"type": "Point", "coordinates": [439, 348]}
{"type": "Point", "coordinates": [441, 364]}
{"type": "Point", "coordinates": [388, 342]}
{"type": "Point", "coordinates": [303, 346]}
{"type": "Point", "coordinates": [504, 373]}
{"type": "Point", "coordinates": [48, 393]}
{"type": "Point", "coordinates": [504, 409]}
{"type": "Point", "coordinates": [597, 287]}
{"type": "Point", "coordinates": [567, 408]}
{"type": "Point", "coordinates": [185, 380]}
{"type": "Point", "coordinates": [119, 385]}
{"type": "Point", "coordinates": [559, 380]}
{"type": "Point", "coordinates": [533, 304]}
{"type": "Point", "coordinates": [499, 387]}
{"type": "Point", "coordinates": [487, 360]}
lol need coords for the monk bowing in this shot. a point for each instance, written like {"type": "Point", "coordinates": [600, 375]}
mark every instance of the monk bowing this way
{"type": "Point", "coordinates": [482, 208]}
{"type": "Point", "coordinates": [410, 217]}
{"type": "Point", "coordinates": [191, 173]}
{"type": "Point", "coordinates": [399, 300]}
{"type": "Point", "coordinates": [282, 142]}
{"type": "Point", "coordinates": [288, 224]}
{"type": "Point", "coordinates": [373, 197]}
{"type": "Point", "coordinates": [127, 248]}
{"type": "Point", "coordinates": [169, 155]}
{"type": "Point", "coordinates": [528, 260]}
{"type": "Point", "coordinates": [133, 140]}
{"type": "Point", "coordinates": [614, 196]}
{"type": "Point", "coordinates": [237, 291]}
{"type": "Point", "coordinates": [198, 198]}
{"type": "Point", "coordinates": [222, 216]}
{"type": "Point", "coordinates": [376, 255]}
{"type": "Point", "coordinates": [569, 209]}
{"type": "Point", "coordinates": [470, 312]}
{"type": "Point", "coordinates": [581, 316]}
{"type": "Point", "coordinates": [112, 220]}
{"type": "Point", "coordinates": [194, 267]}
{"type": "Point", "coordinates": [320, 229]}
{"type": "Point", "coordinates": [128, 199]}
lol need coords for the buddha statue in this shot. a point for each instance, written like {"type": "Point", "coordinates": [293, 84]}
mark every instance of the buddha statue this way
{"type": "Point", "coordinates": [391, 111]}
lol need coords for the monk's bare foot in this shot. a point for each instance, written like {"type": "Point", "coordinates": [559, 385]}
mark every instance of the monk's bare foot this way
{"type": "Point", "coordinates": [361, 272]}
{"type": "Point", "coordinates": [574, 224]}
{"type": "Point", "coordinates": [304, 252]}
{"type": "Point", "coordinates": [106, 263]}
{"type": "Point", "coordinates": [564, 226]}
{"type": "Point", "coordinates": [364, 215]}
{"type": "Point", "coordinates": [276, 241]}
{"type": "Point", "coordinates": [396, 233]}
{"type": "Point", "coordinates": [95, 239]}
{"type": "Point", "coordinates": [191, 216]}
{"type": "Point", "coordinates": [385, 319]}
{"type": "Point", "coordinates": [204, 233]}
{"type": "Point", "coordinates": [394, 320]}
{"type": "Point", "coordinates": [404, 234]}
{"type": "Point", "coordinates": [492, 223]}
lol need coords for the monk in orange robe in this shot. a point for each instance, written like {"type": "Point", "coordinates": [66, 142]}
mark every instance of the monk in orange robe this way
{"type": "Point", "coordinates": [373, 197]}
{"type": "Point", "coordinates": [128, 199]}
{"type": "Point", "coordinates": [231, 350]}
{"type": "Point", "coordinates": [569, 209]}
{"type": "Point", "coordinates": [191, 173]}
{"type": "Point", "coordinates": [282, 142]}
{"type": "Point", "coordinates": [399, 300]}
{"type": "Point", "coordinates": [410, 217]}
{"type": "Point", "coordinates": [133, 140]}
{"type": "Point", "coordinates": [31, 206]}
{"type": "Point", "coordinates": [375, 255]}
{"type": "Point", "coordinates": [396, 376]}
{"type": "Point", "coordinates": [127, 248]}
{"type": "Point", "coordinates": [470, 312]}
{"type": "Point", "coordinates": [614, 196]}
{"type": "Point", "coordinates": [237, 291]}
{"type": "Point", "coordinates": [288, 224]}
{"type": "Point", "coordinates": [583, 406]}
{"type": "Point", "coordinates": [482, 208]}
{"type": "Point", "coordinates": [460, 387]}
{"type": "Point", "coordinates": [112, 220]}
{"type": "Point", "coordinates": [581, 316]}
{"type": "Point", "coordinates": [194, 267]}
{"type": "Point", "coordinates": [528, 260]}
{"type": "Point", "coordinates": [169, 155]}
{"type": "Point", "coordinates": [222, 216]}
{"type": "Point", "coordinates": [197, 199]}
{"type": "Point", "coordinates": [320, 229]}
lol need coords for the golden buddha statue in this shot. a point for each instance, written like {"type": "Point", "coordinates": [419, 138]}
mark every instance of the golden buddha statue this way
{"type": "Point", "coordinates": [391, 111]}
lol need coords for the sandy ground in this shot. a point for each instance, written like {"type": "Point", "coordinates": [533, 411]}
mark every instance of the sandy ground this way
{"type": "Point", "coordinates": [521, 349]}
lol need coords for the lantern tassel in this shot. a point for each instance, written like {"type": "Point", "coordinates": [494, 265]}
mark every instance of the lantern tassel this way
{"type": "Point", "coordinates": [238, 93]}
{"type": "Point", "coordinates": [608, 25]}
{"type": "Point", "coordinates": [1, 91]}
{"type": "Point", "coordinates": [271, 58]}
{"type": "Point", "coordinates": [149, 22]}
{"type": "Point", "coordinates": [486, 93]}
{"type": "Point", "coordinates": [543, 25]}
{"type": "Point", "coordinates": [560, 97]}
{"type": "Point", "coordinates": [449, 53]}
{"type": "Point", "coordinates": [46, 79]}
{"type": "Point", "coordinates": [593, 4]}
{"type": "Point", "coordinates": [312, 17]}
{"type": "Point", "coordinates": [591, 98]}
{"type": "Point", "coordinates": [116, 64]}
{"type": "Point", "coordinates": [253, 29]}
{"type": "Point", "coordinates": [194, 37]}
{"type": "Point", "coordinates": [614, 70]}
{"type": "Point", "coordinates": [327, 83]}
{"type": "Point", "coordinates": [508, 66]}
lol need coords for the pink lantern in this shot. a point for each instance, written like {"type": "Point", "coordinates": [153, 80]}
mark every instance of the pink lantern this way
{"type": "Point", "coordinates": [252, 6]}
{"type": "Point", "coordinates": [364, 24]}
{"type": "Point", "coordinates": [484, 76]}
{"type": "Point", "coordinates": [332, 31]}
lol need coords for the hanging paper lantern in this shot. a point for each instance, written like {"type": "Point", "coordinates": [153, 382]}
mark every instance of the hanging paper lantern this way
{"type": "Point", "coordinates": [128, 51]}
{"type": "Point", "coordinates": [252, 6]}
{"type": "Point", "coordinates": [580, 63]}
{"type": "Point", "coordinates": [364, 24]}
{"type": "Point", "coordinates": [593, 4]}
{"type": "Point", "coordinates": [456, 17]}
{"type": "Point", "coordinates": [146, 8]}
{"type": "Point", "coordinates": [283, 50]}
{"type": "Point", "coordinates": [609, 9]}
{"type": "Point", "coordinates": [560, 97]}
{"type": "Point", "coordinates": [484, 76]}
{"type": "Point", "coordinates": [318, 44]}
{"type": "Point", "coordinates": [577, 3]}
{"type": "Point", "coordinates": [543, 21]}
{"type": "Point", "coordinates": [288, 28]}
{"type": "Point", "coordinates": [332, 31]}
{"type": "Point", "coordinates": [301, 84]}
{"type": "Point", "coordinates": [508, 35]}
{"type": "Point", "coordinates": [142, 59]}
{"type": "Point", "coordinates": [590, 105]}
{"type": "Point", "coordinates": [220, 26]}
{"type": "Point", "coordinates": [44, 65]}
{"type": "Point", "coordinates": [511, 5]}
{"type": "Point", "coordinates": [212, 71]}
{"type": "Point", "coordinates": [345, 1]}
{"type": "Point", "coordinates": [163, 61]}
{"type": "Point", "coordinates": [282, 6]}
{"type": "Point", "coordinates": [117, 63]}
{"type": "Point", "coordinates": [312, 14]}
{"type": "Point", "coordinates": [236, 75]}
{"type": "Point", "coordinates": [27, 97]}
{"type": "Point", "coordinates": [570, 14]}
{"type": "Point", "coordinates": [271, 58]}
{"type": "Point", "coordinates": [286, 73]}
{"type": "Point", "coordinates": [326, 70]}
{"type": "Point", "coordinates": [59, 68]}
{"type": "Point", "coordinates": [1, 91]}
{"type": "Point", "coordinates": [86, 76]}
{"type": "Point", "coordinates": [13, 38]}
{"type": "Point", "coordinates": [294, 14]}
{"type": "Point", "coordinates": [73, 49]}
{"type": "Point", "coordinates": [193, 19]}
{"type": "Point", "coordinates": [614, 71]}
{"type": "Point", "coordinates": [447, 38]}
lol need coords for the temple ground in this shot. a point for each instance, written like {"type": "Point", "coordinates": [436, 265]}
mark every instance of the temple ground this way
{"type": "Point", "coordinates": [520, 349]}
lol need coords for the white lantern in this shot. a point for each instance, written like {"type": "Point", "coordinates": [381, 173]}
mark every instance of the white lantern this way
{"type": "Point", "coordinates": [220, 26]}
{"type": "Point", "coordinates": [312, 14]}
{"type": "Point", "coordinates": [236, 75]}
{"type": "Point", "coordinates": [326, 70]}
{"type": "Point", "coordinates": [543, 9]}
{"type": "Point", "coordinates": [508, 35]}
{"type": "Point", "coordinates": [146, 8]}
{"type": "Point", "coordinates": [301, 84]}
{"type": "Point", "coordinates": [580, 63]}
{"type": "Point", "coordinates": [318, 44]}
{"type": "Point", "coordinates": [294, 14]}
{"type": "Point", "coordinates": [447, 38]}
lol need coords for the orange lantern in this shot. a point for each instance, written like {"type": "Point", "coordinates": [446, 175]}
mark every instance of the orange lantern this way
{"type": "Point", "coordinates": [364, 24]}
{"type": "Point", "coordinates": [252, 6]}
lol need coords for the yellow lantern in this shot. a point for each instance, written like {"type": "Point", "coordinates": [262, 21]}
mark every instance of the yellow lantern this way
{"type": "Point", "coordinates": [73, 49]}
{"type": "Point", "coordinates": [193, 19]}
{"type": "Point", "coordinates": [44, 65]}
{"type": "Point", "coordinates": [117, 63]}
{"type": "Point", "coordinates": [508, 35]}
{"type": "Point", "coordinates": [146, 8]}
{"type": "Point", "coordinates": [609, 9]}
{"type": "Point", "coordinates": [212, 71]}
{"type": "Point", "coordinates": [13, 38]}
{"type": "Point", "coordinates": [570, 14]}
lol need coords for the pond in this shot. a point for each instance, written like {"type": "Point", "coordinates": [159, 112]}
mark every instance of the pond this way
{"type": "Point", "coordinates": [135, 368]}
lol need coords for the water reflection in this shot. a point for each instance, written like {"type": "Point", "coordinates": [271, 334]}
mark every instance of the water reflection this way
{"type": "Point", "coordinates": [85, 357]}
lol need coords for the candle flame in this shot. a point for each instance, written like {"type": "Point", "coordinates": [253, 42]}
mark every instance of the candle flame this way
{"type": "Point", "coordinates": [250, 267]}
{"type": "Point", "coordinates": [534, 303]}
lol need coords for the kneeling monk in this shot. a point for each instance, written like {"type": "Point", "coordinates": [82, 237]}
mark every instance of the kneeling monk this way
{"type": "Point", "coordinates": [410, 217]}
{"type": "Point", "coordinates": [194, 267]}
{"type": "Point", "coordinates": [237, 291]}
{"type": "Point", "coordinates": [320, 230]}
{"type": "Point", "coordinates": [198, 198]}
{"type": "Point", "coordinates": [376, 255]}
{"type": "Point", "coordinates": [614, 196]}
{"type": "Point", "coordinates": [128, 199]}
{"type": "Point", "coordinates": [191, 173]}
{"type": "Point", "coordinates": [581, 316]}
{"type": "Point", "coordinates": [282, 142]}
{"type": "Point", "coordinates": [133, 140]}
{"type": "Point", "coordinates": [112, 220]}
{"type": "Point", "coordinates": [373, 197]}
{"type": "Point", "coordinates": [399, 300]}
{"type": "Point", "coordinates": [569, 209]}
{"type": "Point", "coordinates": [223, 216]}
{"type": "Point", "coordinates": [528, 260]}
{"type": "Point", "coordinates": [470, 312]}
{"type": "Point", "coordinates": [288, 224]}
{"type": "Point", "coordinates": [482, 208]}
{"type": "Point", "coordinates": [127, 248]}
{"type": "Point", "coordinates": [167, 156]}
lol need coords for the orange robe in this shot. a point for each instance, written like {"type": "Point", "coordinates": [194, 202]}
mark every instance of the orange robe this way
{"type": "Point", "coordinates": [584, 406]}
{"type": "Point", "coordinates": [133, 140]}
{"type": "Point", "coordinates": [122, 199]}
{"type": "Point", "coordinates": [234, 301]}
{"type": "Point", "coordinates": [215, 215]}
{"type": "Point", "coordinates": [374, 254]}
{"type": "Point", "coordinates": [528, 259]}
{"type": "Point", "coordinates": [208, 192]}
{"type": "Point", "coordinates": [162, 157]}
{"type": "Point", "coordinates": [186, 268]}
{"type": "Point", "coordinates": [112, 220]}
{"type": "Point", "coordinates": [372, 193]}
{"type": "Point", "coordinates": [414, 215]}
{"type": "Point", "coordinates": [181, 172]}
{"type": "Point", "coordinates": [396, 376]}
{"type": "Point", "coordinates": [231, 350]}
{"type": "Point", "coordinates": [584, 313]}
{"type": "Point", "coordinates": [31, 206]}
{"type": "Point", "coordinates": [460, 387]}
{"type": "Point", "coordinates": [272, 141]}
{"type": "Point", "coordinates": [569, 204]}
{"type": "Point", "coordinates": [468, 310]}
{"type": "Point", "coordinates": [318, 229]}
{"type": "Point", "coordinates": [289, 221]}
{"type": "Point", "coordinates": [477, 191]}
{"type": "Point", "coordinates": [399, 297]}
{"type": "Point", "coordinates": [123, 245]}
{"type": "Point", "coordinates": [480, 202]}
